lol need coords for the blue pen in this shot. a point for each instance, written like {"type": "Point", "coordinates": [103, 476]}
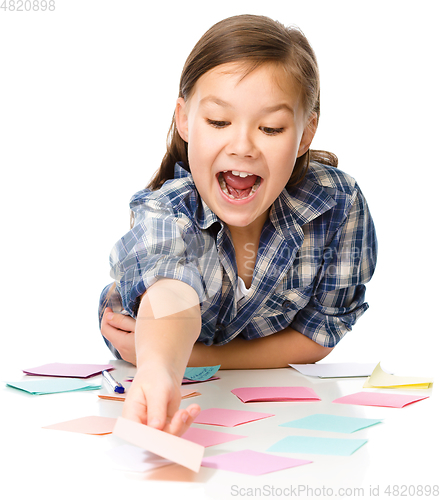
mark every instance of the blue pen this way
{"type": "Point", "coordinates": [116, 386]}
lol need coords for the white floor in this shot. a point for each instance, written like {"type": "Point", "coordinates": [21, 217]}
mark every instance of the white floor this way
{"type": "Point", "coordinates": [401, 451]}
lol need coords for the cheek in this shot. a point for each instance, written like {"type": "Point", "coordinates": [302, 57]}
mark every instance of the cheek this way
{"type": "Point", "coordinates": [202, 146]}
{"type": "Point", "coordinates": [283, 154]}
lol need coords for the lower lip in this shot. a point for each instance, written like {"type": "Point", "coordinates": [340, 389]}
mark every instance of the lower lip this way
{"type": "Point", "coordinates": [239, 201]}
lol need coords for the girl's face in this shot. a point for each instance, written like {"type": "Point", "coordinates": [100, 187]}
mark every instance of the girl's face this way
{"type": "Point", "coordinates": [244, 135]}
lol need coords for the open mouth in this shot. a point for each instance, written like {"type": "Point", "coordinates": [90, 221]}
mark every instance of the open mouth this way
{"type": "Point", "coordinates": [238, 185]}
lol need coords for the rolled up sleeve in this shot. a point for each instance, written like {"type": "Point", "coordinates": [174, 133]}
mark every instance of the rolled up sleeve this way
{"type": "Point", "coordinates": [349, 260]}
{"type": "Point", "coordinates": [161, 244]}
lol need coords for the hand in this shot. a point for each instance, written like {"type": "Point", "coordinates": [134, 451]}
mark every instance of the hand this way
{"type": "Point", "coordinates": [154, 398]}
{"type": "Point", "coordinates": [119, 330]}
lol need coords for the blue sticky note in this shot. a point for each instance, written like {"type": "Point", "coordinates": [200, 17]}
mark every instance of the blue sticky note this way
{"type": "Point", "coordinates": [331, 423]}
{"type": "Point", "coordinates": [317, 445]}
{"type": "Point", "coordinates": [53, 385]}
{"type": "Point", "coordinates": [200, 372]}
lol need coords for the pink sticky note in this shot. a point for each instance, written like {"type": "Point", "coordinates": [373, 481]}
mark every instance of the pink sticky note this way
{"type": "Point", "coordinates": [379, 399]}
{"type": "Point", "coordinates": [260, 394]}
{"type": "Point", "coordinates": [86, 425]}
{"type": "Point", "coordinates": [206, 438]}
{"type": "Point", "coordinates": [173, 448]}
{"type": "Point", "coordinates": [188, 381]}
{"type": "Point", "coordinates": [68, 370]}
{"type": "Point", "coordinates": [251, 462]}
{"type": "Point", "coordinates": [228, 418]}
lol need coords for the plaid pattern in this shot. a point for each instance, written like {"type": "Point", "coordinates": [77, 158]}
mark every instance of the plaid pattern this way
{"type": "Point", "coordinates": [317, 249]}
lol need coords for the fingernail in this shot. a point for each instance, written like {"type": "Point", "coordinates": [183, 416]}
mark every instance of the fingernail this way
{"type": "Point", "coordinates": [154, 423]}
{"type": "Point", "coordinates": [184, 417]}
{"type": "Point", "coordinates": [109, 316]}
{"type": "Point", "coordinates": [194, 412]}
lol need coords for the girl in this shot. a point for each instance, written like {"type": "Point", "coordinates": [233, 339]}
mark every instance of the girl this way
{"type": "Point", "coordinates": [247, 249]}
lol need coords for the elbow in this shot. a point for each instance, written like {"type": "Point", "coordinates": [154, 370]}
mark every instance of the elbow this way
{"type": "Point", "coordinates": [319, 353]}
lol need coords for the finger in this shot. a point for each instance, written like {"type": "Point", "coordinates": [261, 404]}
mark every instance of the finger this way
{"type": "Point", "coordinates": [120, 321]}
{"type": "Point", "coordinates": [157, 410]}
{"type": "Point", "coordinates": [112, 334]}
{"type": "Point", "coordinates": [135, 410]}
{"type": "Point", "coordinates": [183, 419]}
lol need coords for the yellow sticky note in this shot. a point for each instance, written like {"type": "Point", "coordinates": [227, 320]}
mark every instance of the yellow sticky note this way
{"type": "Point", "coordinates": [382, 380]}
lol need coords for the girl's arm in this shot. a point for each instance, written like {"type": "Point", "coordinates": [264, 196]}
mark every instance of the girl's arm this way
{"type": "Point", "coordinates": [274, 351]}
{"type": "Point", "coordinates": [167, 326]}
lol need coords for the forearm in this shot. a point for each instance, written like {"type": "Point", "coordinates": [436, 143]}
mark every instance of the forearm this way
{"type": "Point", "coordinates": [274, 351]}
{"type": "Point", "coordinates": [167, 326]}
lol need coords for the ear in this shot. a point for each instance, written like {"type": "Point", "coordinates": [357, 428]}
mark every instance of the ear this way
{"type": "Point", "coordinates": [181, 118]}
{"type": "Point", "coordinates": [308, 134]}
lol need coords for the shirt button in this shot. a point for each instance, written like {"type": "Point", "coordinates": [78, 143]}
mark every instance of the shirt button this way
{"type": "Point", "coordinates": [286, 304]}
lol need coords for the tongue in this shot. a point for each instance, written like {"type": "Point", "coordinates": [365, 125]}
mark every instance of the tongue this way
{"type": "Point", "coordinates": [237, 182]}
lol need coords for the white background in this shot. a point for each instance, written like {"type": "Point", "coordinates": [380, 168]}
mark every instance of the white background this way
{"type": "Point", "coordinates": [87, 94]}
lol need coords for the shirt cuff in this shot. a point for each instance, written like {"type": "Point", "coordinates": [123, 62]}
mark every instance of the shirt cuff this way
{"type": "Point", "coordinates": [131, 292]}
{"type": "Point", "coordinates": [326, 329]}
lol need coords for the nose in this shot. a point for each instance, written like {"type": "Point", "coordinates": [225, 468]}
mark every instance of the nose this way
{"type": "Point", "coordinates": [242, 144]}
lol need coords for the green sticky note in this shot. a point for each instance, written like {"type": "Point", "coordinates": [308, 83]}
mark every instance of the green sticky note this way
{"type": "Point", "coordinates": [331, 423]}
{"type": "Point", "coordinates": [200, 373]}
{"type": "Point", "coordinates": [53, 385]}
{"type": "Point", "coordinates": [317, 445]}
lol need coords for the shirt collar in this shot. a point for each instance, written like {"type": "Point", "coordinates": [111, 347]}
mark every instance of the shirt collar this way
{"type": "Point", "coordinates": [293, 209]}
{"type": "Point", "coordinates": [181, 171]}
{"type": "Point", "coordinates": [302, 204]}
{"type": "Point", "coordinates": [204, 216]}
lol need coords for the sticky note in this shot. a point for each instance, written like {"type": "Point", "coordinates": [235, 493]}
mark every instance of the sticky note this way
{"type": "Point", "coordinates": [86, 425]}
{"type": "Point", "coordinates": [251, 462]}
{"type": "Point", "coordinates": [263, 394]}
{"type": "Point", "coordinates": [317, 445]}
{"type": "Point", "coordinates": [114, 396]}
{"type": "Point", "coordinates": [68, 370]}
{"type": "Point", "coordinates": [200, 373]}
{"type": "Point", "coordinates": [381, 379]}
{"type": "Point", "coordinates": [52, 386]}
{"type": "Point", "coordinates": [184, 380]}
{"type": "Point", "coordinates": [228, 418]}
{"type": "Point", "coordinates": [135, 459]}
{"type": "Point", "coordinates": [379, 399]}
{"type": "Point", "coordinates": [188, 381]}
{"type": "Point", "coordinates": [331, 423]}
{"type": "Point", "coordinates": [207, 438]}
{"type": "Point", "coordinates": [173, 448]}
{"type": "Point", "coordinates": [335, 370]}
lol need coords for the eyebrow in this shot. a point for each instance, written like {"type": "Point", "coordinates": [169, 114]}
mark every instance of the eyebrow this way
{"type": "Point", "coordinates": [268, 109]}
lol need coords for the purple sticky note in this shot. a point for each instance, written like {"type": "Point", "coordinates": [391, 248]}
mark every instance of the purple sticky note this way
{"type": "Point", "coordinates": [251, 462]}
{"type": "Point", "coordinates": [379, 399]}
{"type": "Point", "coordinates": [228, 418]}
{"type": "Point", "coordinates": [264, 394]}
{"type": "Point", "coordinates": [68, 370]}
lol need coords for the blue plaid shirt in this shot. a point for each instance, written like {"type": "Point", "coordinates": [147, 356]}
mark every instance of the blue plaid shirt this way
{"type": "Point", "coordinates": [317, 249]}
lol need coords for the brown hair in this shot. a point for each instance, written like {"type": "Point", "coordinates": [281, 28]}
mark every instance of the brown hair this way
{"type": "Point", "coordinates": [253, 40]}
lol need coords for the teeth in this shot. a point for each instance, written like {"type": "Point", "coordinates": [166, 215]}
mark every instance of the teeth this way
{"type": "Point", "coordinates": [240, 174]}
{"type": "Point", "coordinates": [224, 188]}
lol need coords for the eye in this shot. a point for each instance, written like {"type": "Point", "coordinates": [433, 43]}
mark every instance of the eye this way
{"type": "Point", "coordinates": [271, 131]}
{"type": "Point", "coordinates": [217, 124]}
